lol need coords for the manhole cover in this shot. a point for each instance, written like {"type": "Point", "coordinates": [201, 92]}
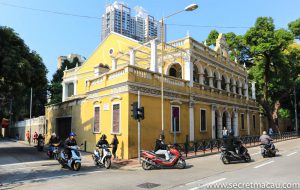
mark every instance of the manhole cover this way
{"type": "Point", "coordinates": [148, 185]}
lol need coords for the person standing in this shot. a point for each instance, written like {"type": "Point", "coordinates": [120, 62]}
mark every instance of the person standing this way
{"type": "Point", "coordinates": [35, 137]}
{"type": "Point", "coordinates": [114, 144]}
{"type": "Point", "coordinates": [28, 137]}
{"type": "Point", "coordinates": [225, 132]}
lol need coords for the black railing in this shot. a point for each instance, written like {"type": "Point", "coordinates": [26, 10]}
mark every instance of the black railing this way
{"type": "Point", "coordinates": [202, 147]}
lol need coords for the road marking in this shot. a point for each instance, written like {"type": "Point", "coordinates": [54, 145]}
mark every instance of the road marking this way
{"type": "Point", "coordinates": [52, 177]}
{"type": "Point", "coordinates": [291, 154]}
{"type": "Point", "coordinates": [255, 153]}
{"type": "Point", "coordinates": [210, 183]}
{"type": "Point", "coordinates": [24, 163]}
{"type": "Point", "coordinates": [264, 164]}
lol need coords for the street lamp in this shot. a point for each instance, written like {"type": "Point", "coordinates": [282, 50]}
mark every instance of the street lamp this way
{"type": "Point", "coordinates": [190, 7]}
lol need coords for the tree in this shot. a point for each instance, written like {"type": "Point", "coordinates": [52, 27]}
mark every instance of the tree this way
{"type": "Point", "coordinates": [295, 28]}
{"type": "Point", "coordinates": [211, 39]}
{"type": "Point", "coordinates": [55, 88]}
{"type": "Point", "coordinates": [20, 70]}
{"type": "Point", "coordinates": [266, 46]}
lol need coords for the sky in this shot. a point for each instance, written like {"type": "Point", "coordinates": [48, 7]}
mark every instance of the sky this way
{"type": "Point", "coordinates": [52, 35]}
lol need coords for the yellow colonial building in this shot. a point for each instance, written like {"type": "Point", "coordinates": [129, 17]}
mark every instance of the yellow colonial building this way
{"type": "Point", "coordinates": [203, 92]}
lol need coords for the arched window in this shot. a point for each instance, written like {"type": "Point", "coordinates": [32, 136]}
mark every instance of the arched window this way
{"type": "Point", "coordinates": [175, 70]}
{"type": "Point", "coordinates": [195, 74]}
{"type": "Point", "coordinates": [205, 77]}
{"type": "Point", "coordinates": [223, 83]}
{"type": "Point", "coordinates": [215, 80]}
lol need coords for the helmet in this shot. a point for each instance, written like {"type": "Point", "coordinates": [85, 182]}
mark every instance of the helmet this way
{"type": "Point", "coordinates": [53, 134]}
{"type": "Point", "coordinates": [103, 137]}
{"type": "Point", "coordinates": [72, 134]}
{"type": "Point", "coordinates": [264, 132]}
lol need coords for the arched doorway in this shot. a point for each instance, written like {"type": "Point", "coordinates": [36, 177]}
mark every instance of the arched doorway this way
{"type": "Point", "coordinates": [226, 120]}
{"type": "Point", "coordinates": [175, 70]}
{"type": "Point", "coordinates": [223, 83]}
{"type": "Point", "coordinates": [195, 74]}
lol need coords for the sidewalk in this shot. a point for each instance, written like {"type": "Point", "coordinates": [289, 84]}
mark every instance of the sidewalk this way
{"type": "Point", "coordinates": [131, 164]}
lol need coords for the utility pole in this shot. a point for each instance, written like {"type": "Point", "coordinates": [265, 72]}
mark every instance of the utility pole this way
{"type": "Point", "coordinates": [139, 129]}
{"type": "Point", "coordinates": [296, 114]}
{"type": "Point", "coordinates": [30, 115]}
{"type": "Point", "coordinates": [10, 114]}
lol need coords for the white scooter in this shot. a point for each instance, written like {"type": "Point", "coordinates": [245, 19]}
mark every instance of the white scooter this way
{"type": "Point", "coordinates": [105, 161]}
{"type": "Point", "coordinates": [75, 161]}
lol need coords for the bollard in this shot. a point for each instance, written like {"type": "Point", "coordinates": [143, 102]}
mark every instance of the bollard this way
{"type": "Point", "coordinates": [84, 146]}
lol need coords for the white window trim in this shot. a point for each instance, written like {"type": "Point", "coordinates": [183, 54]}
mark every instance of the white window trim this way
{"type": "Point", "coordinates": [254, 123]}
{"type": "Point", "coordinates": [242, 121]}
{"type": "Point", "coordinates": [99, 119]}
{"type": "Point", "coordinates": [172, 119]}
{"type": "Point", "coordinates": [112, 118]}
{"type": "Point", "coordinates": [205, 120]}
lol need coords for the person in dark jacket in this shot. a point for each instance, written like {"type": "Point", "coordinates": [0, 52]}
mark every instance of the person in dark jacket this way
{"type": "Point", "coordinates": [70, 141]}
{"type": "Point", "coordinates": [114, 144]}
{"type": "Point", "coordinates": [161, 147]}
{"type": "Point", "coordinates": [102, 142]}
{"type": "Point", "coordinates": [232, 143]}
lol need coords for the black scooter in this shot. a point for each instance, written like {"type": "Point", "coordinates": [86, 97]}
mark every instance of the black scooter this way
{"type": "Point", "coordinates": [267, 150]}
{"type": "Point", "coordinates": [229, 156]}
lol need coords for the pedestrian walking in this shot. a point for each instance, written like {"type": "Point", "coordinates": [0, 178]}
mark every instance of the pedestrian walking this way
{"type": "Point", "coordinates": [28, 137]}
{"type": "Point", "coordinates": [114, 144]}
{"type": "Point", "coordinates": [225, 132]}
{"type": "Point", "coordinates": [35, 137]}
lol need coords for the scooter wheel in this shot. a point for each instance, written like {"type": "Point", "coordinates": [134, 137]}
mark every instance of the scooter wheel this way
{"type": "Point", "coordinates": [107, 163]}
{"type": "Point", "coordinates": [181, 163]}
{"type": "Point", "coordinates": [247, 158]}
{"type": "Point", "coordinates": [225, 160]}
{"type": "Point", "coordinates": [146, 166]}
{"type": "Point", "coordinates": [77, 166]}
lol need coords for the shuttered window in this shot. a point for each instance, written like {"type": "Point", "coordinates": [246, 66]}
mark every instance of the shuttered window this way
{"type": "Point", "coordinates": [96, 127]}
{"type": "Point", "coordinates": [116, 119]}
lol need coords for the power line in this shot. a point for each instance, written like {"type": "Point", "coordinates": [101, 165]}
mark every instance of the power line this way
{"type": "Point", "coordinates": [49, 11]}
{"type": "Point", "coordinates": [208, 26]}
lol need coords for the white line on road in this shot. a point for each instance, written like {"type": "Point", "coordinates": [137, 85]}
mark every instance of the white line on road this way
{"type": "Point", "coordinates": [264, 164]}
{"type": "Point", "coordinates": [210, 183]}
{"type": "Point", "coordinates": [291, 154]}
{"type": "Point", "coordinates": [24, 163]}
{"type": "Point", "coordinates": [255, 153]}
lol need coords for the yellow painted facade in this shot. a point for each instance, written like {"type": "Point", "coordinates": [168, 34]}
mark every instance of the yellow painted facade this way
{"type": "Point", "coordinates": [202, 81]}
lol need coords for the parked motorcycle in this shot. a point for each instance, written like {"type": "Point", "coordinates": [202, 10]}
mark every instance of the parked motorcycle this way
{"type": "Point", "coordinates": [267, 150]}
{"type": "Point", "coordinates": [40, 144]}
{"type": "Point", "coordinates": [53, 151]}
{"type": "Point", "coordinates": [74, 162]}
{"type": "Point", "coordinates": [105, 160]}
{"type": "Point", "coordinates": [229, 156]}
{"type": "Point", "coordinates": [150, 160]}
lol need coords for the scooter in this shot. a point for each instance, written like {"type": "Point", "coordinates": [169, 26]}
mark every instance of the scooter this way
{"type": "Point", "coordinates": [53, 151]}
{"type": "Point", "coordinates": [229, 156]}
{"type": "Point", "coordinates": [74, 162]}
{"type": "Point", "coordinates": [40, 144]}
{"type": "Point", "coordinates": [105, 160]}
{"type": "Point", "coordinates": [267, 150]}
{"type": "Point", "coordinates": [150, 160]}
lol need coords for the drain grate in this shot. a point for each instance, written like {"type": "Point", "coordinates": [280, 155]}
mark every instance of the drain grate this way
{"type": "Point", "coordinates": [148, 185]}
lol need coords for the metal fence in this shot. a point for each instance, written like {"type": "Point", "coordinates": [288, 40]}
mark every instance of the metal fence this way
{"type": "Point", "coordinates": [202, 147]}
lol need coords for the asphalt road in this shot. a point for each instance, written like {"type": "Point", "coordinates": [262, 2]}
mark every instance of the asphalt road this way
{"type": "Point", "coordinates": [22, 167]}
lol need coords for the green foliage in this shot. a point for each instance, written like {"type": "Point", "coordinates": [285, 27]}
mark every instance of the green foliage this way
{"type": "Point", "coordinates": [284, 113]}
{"type": "Point", "coordinates": [211, 39]}
{"type": "Point", "coordinates": [295, 28]}
{"type": "Point", "coordinates": [20, 70]}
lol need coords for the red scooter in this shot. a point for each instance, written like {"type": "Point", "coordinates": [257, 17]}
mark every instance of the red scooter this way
{"type": "Point", "coordinates": [151, 160]}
